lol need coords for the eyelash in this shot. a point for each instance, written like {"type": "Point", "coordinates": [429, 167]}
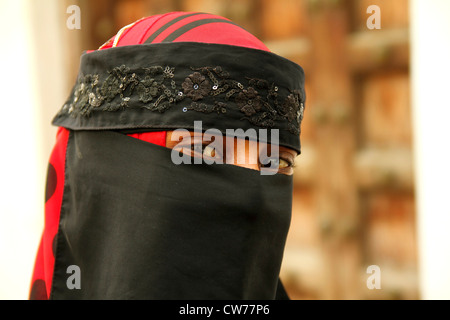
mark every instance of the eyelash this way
{"type": "Point", "coordinates": [291, 164]}
{"type": "Point", "coordinates": [203, 148]}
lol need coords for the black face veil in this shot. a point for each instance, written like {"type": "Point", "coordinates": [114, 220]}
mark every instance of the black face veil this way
{"type": "Point", "coordinates": [140, 227]}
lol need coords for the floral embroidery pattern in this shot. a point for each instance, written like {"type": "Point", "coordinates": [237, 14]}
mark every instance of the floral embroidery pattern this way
{"type": "Point", "coordinates": [249, 101]}
{"type": "Point", "coordinates": [196, 86]}
{"type": "Point", "coordinates": [147, 89]}
{"type": "Point", "coordinates": [210, 89]}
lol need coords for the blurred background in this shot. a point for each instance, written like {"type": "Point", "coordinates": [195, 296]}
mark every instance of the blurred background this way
{"type": "Point", "coordinates": [370, 185]}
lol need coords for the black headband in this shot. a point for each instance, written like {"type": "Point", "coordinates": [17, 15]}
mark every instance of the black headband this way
{"type": "Point", "coordinates": [169, 86]}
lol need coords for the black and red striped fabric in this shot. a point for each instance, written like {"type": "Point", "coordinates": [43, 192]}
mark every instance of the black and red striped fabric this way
{"type": "Point", "coordinates": [185, 27]}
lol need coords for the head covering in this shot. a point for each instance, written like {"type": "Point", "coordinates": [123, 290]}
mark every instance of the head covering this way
{"type": "Point", "coordinates": [167, 71]}
{"type": "Point", "coordinates": [139, 226]}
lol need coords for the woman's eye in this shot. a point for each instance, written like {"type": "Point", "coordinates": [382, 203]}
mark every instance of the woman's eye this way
{"type": "Point", "coordinates": [276, 163]}
{"type": "Point", "coordinates": [271, 163]}
{"type": "Point", "coordinates": [205, 150]}
{"type": "Point", "coordinates": [209, 152]}
{"type": "Point", "coordinates": [284, 164]}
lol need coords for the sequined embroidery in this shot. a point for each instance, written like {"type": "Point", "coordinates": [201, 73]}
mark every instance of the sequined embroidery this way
{"type": "Point", "coordinates": [209, 89]}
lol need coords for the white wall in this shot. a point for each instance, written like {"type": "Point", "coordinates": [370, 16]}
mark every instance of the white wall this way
{"type": "Point", "coordinates": [430, 38]}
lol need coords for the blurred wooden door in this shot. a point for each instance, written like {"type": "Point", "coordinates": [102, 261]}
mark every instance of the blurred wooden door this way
{"type": "Point", "coordinates": [354, 193]}
{"type": "Point", "coordinates": [354, 198]}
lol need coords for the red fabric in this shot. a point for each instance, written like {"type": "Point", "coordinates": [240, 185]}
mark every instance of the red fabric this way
{"type": "Point", "coordinates": [220, 33]}
{"type": "Point", "coordinates": [108, 44]}
{"type": "Point", "coordinates": [158, 138]}
{"type": "Point", "coordinates": [186, 21]}
{"type": "Point", "coordinates": [137, 33]}
{"type": "Point", "coordinates": [45, 260]}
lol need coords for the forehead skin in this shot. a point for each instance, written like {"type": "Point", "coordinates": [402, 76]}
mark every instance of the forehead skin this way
{"type": "Point", "coordinates": [240, 150]}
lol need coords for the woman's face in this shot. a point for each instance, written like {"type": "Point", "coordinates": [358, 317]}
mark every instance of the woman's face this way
{"type": "Point", "coordinates": [243, 154]}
